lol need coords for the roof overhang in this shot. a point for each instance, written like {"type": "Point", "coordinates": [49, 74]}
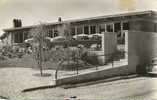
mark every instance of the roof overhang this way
{"type": "Point", "coordinates": [123, 15]}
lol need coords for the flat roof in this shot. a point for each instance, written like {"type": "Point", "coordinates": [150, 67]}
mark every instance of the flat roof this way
{"type": "Point", "coordinates": [84, 19]}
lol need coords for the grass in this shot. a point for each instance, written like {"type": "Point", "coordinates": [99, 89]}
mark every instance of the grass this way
{"type": "Point", "coordinates": [27, 61]}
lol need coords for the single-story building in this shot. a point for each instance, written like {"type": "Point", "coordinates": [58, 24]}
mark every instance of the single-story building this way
{"type": "Point", "coordinates": [135, 21]}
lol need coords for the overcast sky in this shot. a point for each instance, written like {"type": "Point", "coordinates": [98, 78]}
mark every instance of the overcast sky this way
{"type": "Point", "coordinates": [33, 11]}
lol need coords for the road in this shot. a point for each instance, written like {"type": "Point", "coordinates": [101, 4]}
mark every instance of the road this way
{"type": "Point", "coordinates": [14, 80]}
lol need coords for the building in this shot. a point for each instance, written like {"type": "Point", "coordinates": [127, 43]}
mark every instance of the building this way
{"type": "Point", "coordinates": [140, 42]}
{"type": "Point", "coordinates": [135, 21]}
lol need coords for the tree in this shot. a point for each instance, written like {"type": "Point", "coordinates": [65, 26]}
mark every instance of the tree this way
{"type": "Point", "coordinates": [40, 42]}
{"type": "Point", "coordinates": [63, 54]}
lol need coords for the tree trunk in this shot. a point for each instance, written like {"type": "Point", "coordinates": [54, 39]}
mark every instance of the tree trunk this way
{"type": "Point", "coordinates": [40, 59]}
{"type": "Point", "coordinates": [56, 73]}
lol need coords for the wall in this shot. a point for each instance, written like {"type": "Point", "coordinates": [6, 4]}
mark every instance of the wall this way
{"type": "Point", "coordinates": [109, 44]}
{"type": "Point", "coordinates": [145, 26]}
{"type": "Point", "coordinates": [142, 48]}
{"type": "Point", "coordinates": [92, 76]}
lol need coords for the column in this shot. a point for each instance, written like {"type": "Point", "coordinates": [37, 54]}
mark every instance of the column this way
{"type": "Point", "coordinates": [113, 27]}
{"type": "Point", "coordinates": [23, 36]}
{"type": "Point", "coordinates": [82, 29]}
{"type": "Point", "coordinates": [18, 37]}
{"type": "Point", "coordinates": [126, 45]}
{"type": "Point", "coordinates": [121, 28]}
{"type": "Point", "coordinates": [12, 39]}
{"type": "Point", "coordinates": [97, 28]}
{"type": "Point", "coordinates": [75, 30]}
{"type": "Point", "coordinates": [89, 29]}
{"type": "Point", "coordinates": [53, 33]}
{"type": "Point", "coordinates": [105, 28]}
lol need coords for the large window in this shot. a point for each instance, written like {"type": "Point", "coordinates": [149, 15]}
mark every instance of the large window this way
{"type": "Point", "coordinates": [50, 33]}
{"type": "Point", "coordinates": [25, 35]}
{"type": "Point", "coordinates": [79, 30]}
{"type": "Point", "coordinates": [86, 30]}
{"type": "Point", "coordinates": [126, 26]}
{"type": "Point", "coordinates": [102, 28]}
{"type": "Point", "coordinates": [15, 37]}
{"type": "Point", "coordinates": [93, 29]}
{"type": "Point", "coordinates": [109, 27]}
{"type": "Point", "coordinates": [55, 33]}
{"type": "Point", "coordinates": [117, 27]}
{"type": "Point", "coordinates": [18, 37]}
{"type": "Point", "coordinates": [72, 31]}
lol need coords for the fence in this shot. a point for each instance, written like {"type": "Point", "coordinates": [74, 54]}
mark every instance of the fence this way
{"type": "Point", "coordinates": [110, 61]}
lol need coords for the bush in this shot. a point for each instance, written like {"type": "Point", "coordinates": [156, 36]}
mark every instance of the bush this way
{"type": "Point", "coordinates": [91, 58]}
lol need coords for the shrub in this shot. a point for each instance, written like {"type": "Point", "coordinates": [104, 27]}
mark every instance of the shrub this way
{"type": "Point", "coordinates": [91, 58]}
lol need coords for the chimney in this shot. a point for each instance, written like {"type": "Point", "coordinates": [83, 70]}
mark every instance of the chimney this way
{"type": "Point", "coordinates": [20, 23]}
{"type": "Point", "coordinates": [59, 19]}
{"type": "Point", "coordinates": [14, 23]}
{"type": "Point", "coordinates": [17, 23]}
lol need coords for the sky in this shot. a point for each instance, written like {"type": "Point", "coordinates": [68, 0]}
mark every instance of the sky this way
{"type": "Point", "coordinates": [34, 11]}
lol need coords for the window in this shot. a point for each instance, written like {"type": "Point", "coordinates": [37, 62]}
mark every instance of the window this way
{"type": "Point", "coordinates": [25, 35]}
{"type": "Point", "coordinates": [72, 31]}
{"type": "Point", "coordinates": [117, 27]}
{"type": "Point", "coordinates": [18, 37]}
{"type": "Point", "coordinates": [79, 30]}
{"type": "Point", "coordinates": [55, 33]}
{"type": "Point", "coordinates": [93, 29]}
{"type": "Point", "coordinates": [109, 27]}
{"type": "Point", "coordinates": [126, 26]}
{"type": "Point", "coordinates": [86, 30]}
{"type": "Point", "coordinates": [15, 37]}
{"type": "Point", "coordinates": [102, 28]}
{"type": "Point", "coordinates": [50, 33]}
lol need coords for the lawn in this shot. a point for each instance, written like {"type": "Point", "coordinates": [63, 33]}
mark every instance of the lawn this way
{"type": "Point", "coordinates": [27, 61]}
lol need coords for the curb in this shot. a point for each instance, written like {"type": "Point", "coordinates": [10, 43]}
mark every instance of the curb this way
{"type": "Point", "coordinates": [39, 88]}
{"type": "Point", "coordinates": [81, 84]}
{"type": "Point", "coordinates": [99, 81]}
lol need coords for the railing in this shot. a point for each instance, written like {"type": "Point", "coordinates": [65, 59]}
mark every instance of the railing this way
{"type": "Point", "coordinates": [111, 61]}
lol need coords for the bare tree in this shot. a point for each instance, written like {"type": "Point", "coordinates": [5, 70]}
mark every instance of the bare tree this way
{"type": "Point", "coordinates": [63, 55]}
{"type": "Point", "coordinates": [39, 34]}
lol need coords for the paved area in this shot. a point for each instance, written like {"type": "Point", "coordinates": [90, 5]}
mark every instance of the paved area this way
{"type": "Point", "coordinates": [141, 87]}
{"type": "Point", "coordinates": [14, 80]}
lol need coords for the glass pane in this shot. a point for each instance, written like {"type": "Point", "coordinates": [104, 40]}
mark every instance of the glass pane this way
{"type": "Point", "coordinates": [93, 29]}
{"type": "Point", "coordinates": [86, 30]}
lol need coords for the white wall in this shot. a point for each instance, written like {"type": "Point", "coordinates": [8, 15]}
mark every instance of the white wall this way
{"type": "Point", "coordinates": [142, 48]}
